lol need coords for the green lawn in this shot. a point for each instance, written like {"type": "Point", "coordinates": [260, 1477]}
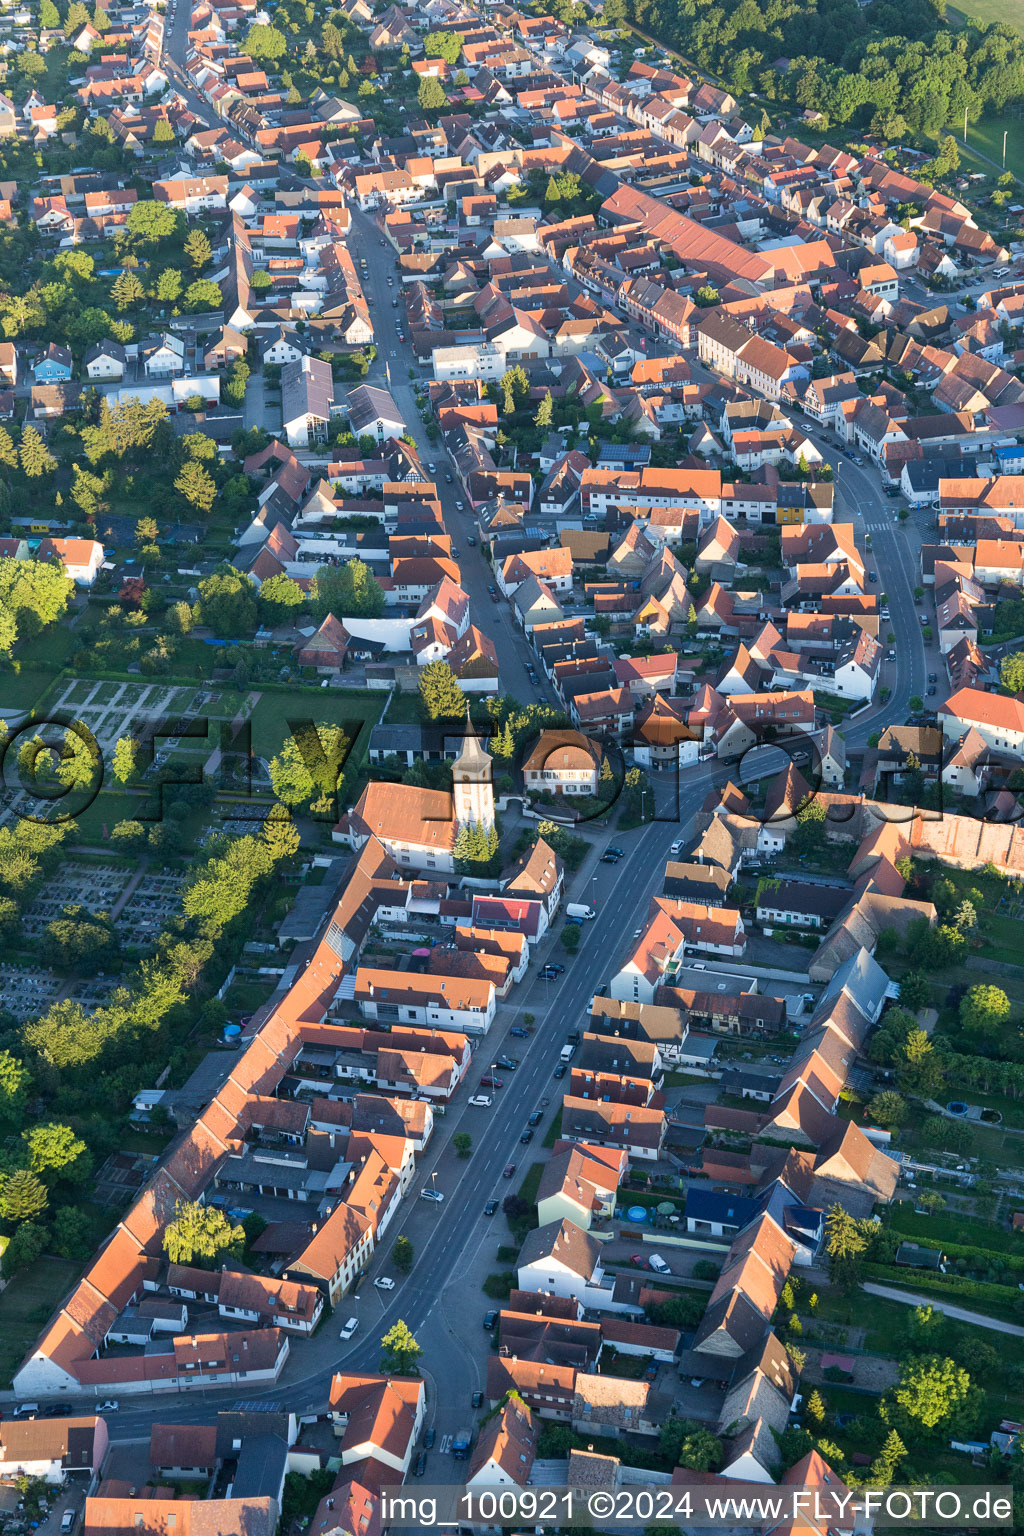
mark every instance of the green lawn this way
{"type": "Point", "coordinates": [987, 135]}
{"type": "Point", "coordinates": [274, 710]}
{"type": "Point", "coordinates": [26, 1305]}
{"type": "Point", "coordinates": [986, 11]}
{"type": "Point", "coordinates": [24, 689]}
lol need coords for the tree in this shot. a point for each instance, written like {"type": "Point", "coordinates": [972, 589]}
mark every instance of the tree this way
{"type": "Point", "coordinates": [168, 286]}
{"type": "Point", "coordinates": [932, 1390]}
{"type": "Point", "coordinates": [150, 221]}
{"type": "Point", "coordinates": [920, 1070]}
{"type": "Point", "coordinates": [883, 1468]}
{"type": "Point", "coordinates": [688, 1444]}
{"type": "Point", "coordinates": [844, 1243]}
{"type": "Point", "coordinates": [308, 768]}
{"type": "Point", "coordinates": [983, 1008]}
{"type": "Point", "coordinates": [264, 43]}
{"type": "Point", "coordinates": [200, 1234]}
{"type": "Point", "coordinates": [705, 296]}
{"type": "Point", "coordinates": [1011, 672]}
{"type": "Point", "coordinates": [127, 291]}
{"type": "Point", "coordinates": [227, 602]}
{"type": "Point", "coordinates": [441, 698]}
{"type": "Point", "coordinates": [34, 456]}
{"type": "Point", "coordinates": [462, 1141]}
{"type": "Point", "coordinates": [351, 592]}
{"type": "Point", "coordinates": [281, 597]}
{"type": "Point", "coordinates": [811, 835]}
{"type": "Point", "coordinates": [401, 1351]}
{"type": "Point", "coordinates": [203, 294]}
{"type": "Point", "coordinates": [196, 485]}
{"type": "Point", "coordinates": [888, 1109]}
{"type": "Point", "coordinates": [965, 916]}
{"type": "Point", "coordinates": [443, 45]}
{"type": "Point", "coordinates": [22, 1196]}
{"type": "Point", "coordinates": [402, 1254]}
{"type": "Point", "coordinates": [431, 95]}
{"type": "Point", "coordinates": [25, 1247]}
{"type": "Point", "coordinates": [915, 991]}
{"type": "Point", "coordinates": [280, 834]}
{"type": "Point", "coordinates": [49, 16]}
{"type": "Point", "coordinates": [198, 248]}
{"type": "Point", "coordinates": [124, 761]}
{"type": "Point", "coordinates": [545, 412]}
{"type": "Point", "coordinates": [54, 1148]}
{"type": "Point", "coordinates": [8, 452]}
{"type": "Point", "coordinates": [163, 133]}
{"type": "Point", "coordinates": [14, 1085]}
{"type": "Point", "coordinates": [816, 1407]}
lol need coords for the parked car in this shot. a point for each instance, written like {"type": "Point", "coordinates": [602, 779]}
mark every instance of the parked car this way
{"type": "Point", "coordinates": [553, 965]}
{"type": "Point", "coordinates": [519, 1032]}
{"type": "Point", "coordinates": [384, 1283]}
{"type": "Point", "coordinates": [421, 1464]}
{"type": "Point", "coordinates": [432, 1194]}
{"type": "Point", "coordinates": [349, 1329]}
{"type": "Point", "coordinates": [617, 851]}
{"type": "Point", "coordinates": [535, 1118]}
{"type": "Point", "coordinates": [677, 847]}
{"type": "Point", "coordinates": [110, 1406]}
{"type": "Point", "coordinates": [481, 1101]}
{"type": "Point", "coordinates": [639, 1260]}
{"type": "Point", "coordinates": [508, 1170]}
{"type": "Point", "coordinates": [478, 1399]}
{"type": "Point", "coordinates": [447, 479]}
{"type": "Point", "coordinates": [526, 1137]}
{"type": "Point", "coordinates": [460, 506]}
{"type": "Point", "coordinates": [548, 973]}
{"type": "Point", "coordinates": [490, 1207]}
{"type": "Point", "coordinates": [609, 858]}
{"type": "Point", "coordinates": [508, 1062]}
{"type": "Point", "coordinates": [872, 575]}
{"type": "Point", "coordinates": [658, 1264]}
{"type": "Point", "coordinates": [429, 1438]}
{"type": "Point", "coordinates": [492, 1082]}
{"type": "Point", "coordinates": [67, 1521]}
{"type": "Point", "coordinates": [560, 1069]}
{"type": "Point", "coordinates": [489, 1321]}
{"type": "Point", "coordinates": [471, 542]}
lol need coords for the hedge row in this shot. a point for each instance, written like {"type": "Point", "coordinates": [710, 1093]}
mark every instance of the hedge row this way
{"type": "Point", "coordinates": [946, 1285]}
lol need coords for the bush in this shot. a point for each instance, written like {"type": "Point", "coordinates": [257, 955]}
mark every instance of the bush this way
{"type": "Point", "coordinates": [570, 937]}
{"type": "Point", "coordinates": [507, 1254]}
{"type": "Point", "coordinates": [499, 1287]}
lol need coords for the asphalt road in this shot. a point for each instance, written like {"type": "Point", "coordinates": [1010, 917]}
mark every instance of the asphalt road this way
{"type": "Point", "coordinates": [493, 618]}
{"type": "Point", "coordinates": [440, 1299]}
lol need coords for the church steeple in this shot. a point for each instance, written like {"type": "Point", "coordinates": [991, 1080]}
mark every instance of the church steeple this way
{"type": "Point", "coordinates": [472, 789]}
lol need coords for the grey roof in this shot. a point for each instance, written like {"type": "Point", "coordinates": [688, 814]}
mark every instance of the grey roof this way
{"type": "Point", "coordinates": [262, 1463]}
{"type": "Point", "coordinates": [366, 404]}
{"type": "Point", "coordinates": [863, 979]}
{"type": "Point", "coordinates": [307, 389]}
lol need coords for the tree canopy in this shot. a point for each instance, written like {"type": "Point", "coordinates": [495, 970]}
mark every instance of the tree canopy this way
{"type": "Point", "coordinates": [200, 1234]}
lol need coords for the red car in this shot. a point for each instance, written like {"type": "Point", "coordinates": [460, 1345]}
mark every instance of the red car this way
{"type": "Point", "coordinates": [509, 1170]}
{"type": "Point", "coordinates": [492, 1082]}
{"type": "Point", "coordinates": [639, 1260]}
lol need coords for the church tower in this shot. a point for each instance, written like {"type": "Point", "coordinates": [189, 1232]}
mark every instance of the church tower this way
{"type": "Point", "coordinates": [472, 790]}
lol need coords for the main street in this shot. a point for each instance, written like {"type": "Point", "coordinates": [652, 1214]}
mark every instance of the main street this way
{"type": "Point", "coordinates": [396, 358]}
{"type": "Point", "coordinates": [455, 1244]}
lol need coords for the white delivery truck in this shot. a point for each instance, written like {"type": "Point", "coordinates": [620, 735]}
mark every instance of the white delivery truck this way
{"type": "Point", "coordinates": [580, 909]}
{"type": "Point", "coordinates": [566, 1053]}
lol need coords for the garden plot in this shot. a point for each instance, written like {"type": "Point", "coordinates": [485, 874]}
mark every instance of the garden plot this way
{"type": "Point", "coordinates": [111, 709]}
